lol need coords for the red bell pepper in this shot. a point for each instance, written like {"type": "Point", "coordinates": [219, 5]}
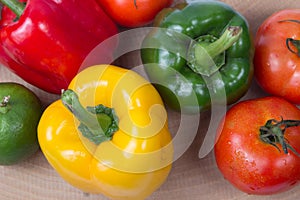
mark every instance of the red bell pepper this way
{"type": "Point", "coordinates": [48, 41]}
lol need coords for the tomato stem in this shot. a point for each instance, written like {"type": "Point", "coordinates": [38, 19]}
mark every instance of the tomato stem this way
{"type": "Point", "coordinates": [135, 5]}
{"type": "Point", "coordinates": [295, 43]}
{"type": "Point", "coordinates": [4, 107]}
{"type": "Point", "coordinates": [273, 133]}
{"type": "Point", "coordinates": [289, 41]}
{"type": "Point", "coordinates": [98, 123]}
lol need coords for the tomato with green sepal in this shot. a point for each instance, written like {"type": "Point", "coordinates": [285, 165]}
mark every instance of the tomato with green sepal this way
{"type": "Point", "coordinates": [258, 145]}
{"type": "Point", "coordinates": [277, 55]}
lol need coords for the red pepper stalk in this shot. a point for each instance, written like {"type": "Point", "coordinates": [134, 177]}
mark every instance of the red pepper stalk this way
{"type": "Point", "coordinates": [45, 42]}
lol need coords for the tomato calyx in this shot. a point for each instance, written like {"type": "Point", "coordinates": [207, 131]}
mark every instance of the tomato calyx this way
{"type": "Point", "coordinates": [273, 133]}
{"type": "Point", "coordinates": [98, 124]}
{"type": "Point", "coordinates": [292, 44]}
{"type": "Point", "coordinates": [295, 43]}
{"type": "Point", "coordinates": [135, 5]}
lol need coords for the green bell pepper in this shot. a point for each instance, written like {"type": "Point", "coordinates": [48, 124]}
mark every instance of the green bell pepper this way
{"type": "Point", "coordinates": [197, 50]}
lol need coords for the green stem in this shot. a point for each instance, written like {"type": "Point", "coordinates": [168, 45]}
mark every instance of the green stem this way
{"type": "Point", "coordinates": [15, 6]}
{"type": "Point", "coordinates": [98, 124]}
{"type": "Point", "coordinates": [273, 133]}
{"type": "Point", "coordinates": [295, 44]}
{"type": "Point", "coordinates": [290, 41]}
{"type": "Point", "coordinates": [228, 38]}
{"type": "Point", "coordinates": [4, 105]}
{"type": "Point", "coordinates": [206, 54]}
{"type": "Point", "coordinates": [135, 5]}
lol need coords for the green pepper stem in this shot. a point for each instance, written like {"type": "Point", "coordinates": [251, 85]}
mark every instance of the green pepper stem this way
{"type": "Point", "coordinates": [204, 54]}
{"type": "Point", "coordinates": [96, 123]}
{"type": "Point", "coordinates": [273, 133]}
{"type": "Point", "coordinates": [15, 6]}
{"type": "Point", "coordinates": [4, 107]}
{"type": "Point", "coordinates": [227, 39]}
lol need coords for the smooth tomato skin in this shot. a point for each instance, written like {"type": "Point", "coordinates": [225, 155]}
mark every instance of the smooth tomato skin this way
{"type": "Point", "coordinates": [276, 68]}
{"type": "Point", "coordinates": [129, 14]}
{"type": "Point", "coordinates": [247, 162]}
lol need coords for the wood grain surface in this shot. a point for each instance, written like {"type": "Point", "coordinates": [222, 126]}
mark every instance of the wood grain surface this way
{"type": "Point", "coordinates": [191, 178]}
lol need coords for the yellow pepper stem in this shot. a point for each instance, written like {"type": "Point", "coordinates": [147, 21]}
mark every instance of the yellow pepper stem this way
{"type": "Point", "coordinates": [98, 123]}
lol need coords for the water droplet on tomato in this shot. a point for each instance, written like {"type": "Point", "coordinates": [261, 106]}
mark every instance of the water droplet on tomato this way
{"type": "Point", "coordinates": [284, 162]}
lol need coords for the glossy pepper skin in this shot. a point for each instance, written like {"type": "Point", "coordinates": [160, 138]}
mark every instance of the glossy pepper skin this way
{"type": "Point", "coordinates": [130, 163]}
{"type": "Point", "coordinates": [48, 43]}
{"type": "Point", "coordinates": [173, 64]}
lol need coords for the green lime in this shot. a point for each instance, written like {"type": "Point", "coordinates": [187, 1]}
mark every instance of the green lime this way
{"type": "Point", "coordinates": [20, 111]}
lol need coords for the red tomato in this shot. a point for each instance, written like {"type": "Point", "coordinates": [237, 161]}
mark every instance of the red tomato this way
{"type": "Point", "coordinates": [244, 153]}
{"type": "Point", "coordinates": [133, 13]}
{"type": "Point", "coordinates": [277, 58]}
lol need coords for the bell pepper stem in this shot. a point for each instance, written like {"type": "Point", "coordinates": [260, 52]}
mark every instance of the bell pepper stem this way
{"type": "Point", "coordinates": [4, 105]}
{"type": "Point", "coordinates": [227, 39]}
{"type": "Point", "coordinates": [15, 6]}
{"type": "Point", "coordinates": [98, 123]}
{"type": "Point", "coordinates": [204, 53]}
{"type": "Point", "coordinates": [71, 101]}
{"type": "Point", "coordinates": [273, 133]}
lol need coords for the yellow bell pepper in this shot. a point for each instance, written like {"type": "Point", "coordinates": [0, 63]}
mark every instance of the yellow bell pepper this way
{"type": "Point", "coordinates": [108, 134]}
